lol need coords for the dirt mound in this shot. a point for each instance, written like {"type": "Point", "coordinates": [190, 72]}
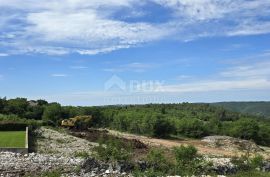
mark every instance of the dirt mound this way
{"type": "Point", "coordinates": [95, 135]}
{"type": "Point", "coordinates": [231, 144]}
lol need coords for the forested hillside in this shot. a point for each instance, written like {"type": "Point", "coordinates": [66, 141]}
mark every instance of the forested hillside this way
{"type": "Point", "coordinates": [254, 108]}
{"type": "Point", "coordinates": [158, 120]}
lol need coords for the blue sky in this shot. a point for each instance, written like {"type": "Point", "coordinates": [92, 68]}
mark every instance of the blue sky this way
{"type": "Point", "coordinates": [81, 52]}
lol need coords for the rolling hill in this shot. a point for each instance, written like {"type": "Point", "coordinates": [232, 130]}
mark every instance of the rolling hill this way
{"type": "Point", "coordinates": [255, 108]}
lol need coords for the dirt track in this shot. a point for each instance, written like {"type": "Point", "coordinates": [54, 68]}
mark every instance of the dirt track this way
{"type": "Point", "coordinates": [200, 145]}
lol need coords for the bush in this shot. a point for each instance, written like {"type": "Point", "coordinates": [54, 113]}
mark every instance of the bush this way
{"type": "Point", "coordinates": [185, 154]}
{"type": "Point", "coordinates": [162, 128]}
{"type": "Point", "coordinates": [256, 162]}
{"type": "Point", "coordinates": [188, 162]}
{"type": "Point", "coordinates": [6, 126]}
{"type": "Point", "coordinates": [156, 159]}
{"type": "Point", "coordinates": [113, 150]}
{"type": "Point", "coordinates": [192, 128]}
{"type": "Point", "coordinates": [13, 122]}
{"type": "Point", "coordinates": [247, 163]}
{"type": "Point", "coordinates": [246, 129]}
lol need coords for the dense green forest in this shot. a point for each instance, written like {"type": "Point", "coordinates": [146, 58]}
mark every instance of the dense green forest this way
{"type": "Point", "coordinates": [158, 120]}
{"type": "Point", "coordinates": [255, 108]}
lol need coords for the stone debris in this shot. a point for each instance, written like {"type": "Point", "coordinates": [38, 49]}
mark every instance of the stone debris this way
{"type": "Point", "coordinates": [13, 164]}
{"type": "Point", "coordinates": [231, 144]}
{"type": "Point", "coordinates": [222, 165]}
{"type": "Point", "coordinates": [50, 141]}
{"type": "Point", "coordinates": [266, 167]}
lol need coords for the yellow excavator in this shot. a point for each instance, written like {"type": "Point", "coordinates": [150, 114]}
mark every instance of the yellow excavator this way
{"type": "Point", "coordinates": [77, 122]}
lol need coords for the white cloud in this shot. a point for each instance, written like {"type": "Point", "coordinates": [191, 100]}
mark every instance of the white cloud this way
{"type": "Point", "coordinates": [4, 54]}
{"type": "Point", "coordinates": [78, 67]}
{"type": "Point", "coordinates": [90, 27]}
{"type": "Point", "coordinates": [217, 85]}
{"type": "Point", "coordinates": [183, 77]}
{"type": "Point", "coordinates": [195, 9]}
{"type": "Point", "coordinates": [241, 77]}
{"type": "Point", "coordinates": [257, 70]}
{"type": "Point", "coordinates": [59, 75]}
{"type": "Point", "coordinates": [250, 28]}
{"type": "Point", "coordinates": [80, 26]}
{"type": "Point", "coordinates": [133, 67]}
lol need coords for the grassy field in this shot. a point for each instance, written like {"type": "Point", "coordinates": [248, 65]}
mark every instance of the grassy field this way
{"type": "Point", "coordinates": [14, 139]}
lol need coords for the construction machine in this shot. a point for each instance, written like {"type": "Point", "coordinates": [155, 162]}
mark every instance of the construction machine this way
{"type": "Point", "coordinates": [78, 122]}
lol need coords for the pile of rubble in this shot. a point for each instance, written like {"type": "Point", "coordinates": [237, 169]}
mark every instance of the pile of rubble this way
{"type": "Point", "coordinates": [50, 141]}
{"type": "Point", "coordinates": [13, 164]}
{"type": "Point", "coordinates": [231, 144]}
{"type": "Point", "coordinates": [93, 167]}
{"type": "Point", "coordinates": [222, 165]}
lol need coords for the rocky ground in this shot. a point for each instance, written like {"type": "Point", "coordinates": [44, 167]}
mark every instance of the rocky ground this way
{"type": "Point", "coordinates": [12, 164]}
{"type": "Point", "coordinates": [51, 141]}
{"type": "Point", "coordinates": [55, 150]}
{"type": "Point", "coordinates": [58, 150]}
{"type": "Point", "coordinates": [33, 164]}
{"type": "Point", "coordinates": [231, 144]}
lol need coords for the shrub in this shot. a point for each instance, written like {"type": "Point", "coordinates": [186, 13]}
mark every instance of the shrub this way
{"type": "Point", "coordinates": [256, 162]}
{"type": "Point", "coordinates": [188, 161]}
{"type": "Point", "coordinates": [245, 129]}
{"type": "Point", "coordinates": [193, 128]}
{"type": "Point", "coordinates": [162, 128]}
{"type": "Point", "coordinates": [247, 163]}
{"type": "Point", "coordinates": [113, 150]}
{"type": "Point", "coordinates": [156, 159]}
{"type": "Point", "coordinates": [185, 154]}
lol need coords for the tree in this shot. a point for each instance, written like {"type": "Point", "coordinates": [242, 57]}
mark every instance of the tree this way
{"type": "Point", "coordinates": [193, 128]}
{"type": "Point", "coordinates": [16, 106]}
{"type": "Point", "coordinates": [34, 112]}
{"type": "Point", "coordinates": [42, 102]}
{"type": "Point", "coordinates": [264, 135]}
{"type": "Point", "coordinates": [162, 127]}
{"type": "Point", "coordinates": [3, 103]}
{"type": "Point", "coordinates": [52, 113]}
{"type": "Point", "coordinates": [246, 129]}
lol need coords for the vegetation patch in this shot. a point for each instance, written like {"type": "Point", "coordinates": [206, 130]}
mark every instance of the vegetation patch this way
{"type": "Point", "coordinates": [12, 139]}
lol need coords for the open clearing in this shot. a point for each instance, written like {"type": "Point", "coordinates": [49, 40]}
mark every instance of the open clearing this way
{"type": "Point", "coordinates": [202, 147]}
{"type": "Point", "coordinates": [12, 139]}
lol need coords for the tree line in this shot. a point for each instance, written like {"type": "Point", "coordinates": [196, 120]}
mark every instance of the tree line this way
{"type": "Point", "coordinates": [194, 120]}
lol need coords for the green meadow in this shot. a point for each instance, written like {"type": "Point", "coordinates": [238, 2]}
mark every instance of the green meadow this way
{"type": "Point", "coordinates": [13, 139]}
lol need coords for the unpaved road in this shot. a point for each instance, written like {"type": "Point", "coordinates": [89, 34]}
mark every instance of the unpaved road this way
{"type": "Point", "coordinates": [200, 145]}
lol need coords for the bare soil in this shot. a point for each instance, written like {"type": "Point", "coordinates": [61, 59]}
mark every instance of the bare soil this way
{"type": "Point", "coordinates": [142, 144]}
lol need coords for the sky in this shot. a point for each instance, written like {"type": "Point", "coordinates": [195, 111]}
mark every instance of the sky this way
{"type": "Point", "coordinates": [92, 52]}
